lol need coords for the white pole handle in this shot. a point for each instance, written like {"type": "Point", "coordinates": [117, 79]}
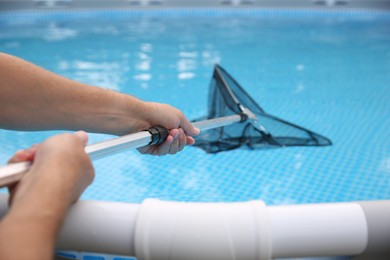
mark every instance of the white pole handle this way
{"type": "Point", "coordinates": [13, 172]}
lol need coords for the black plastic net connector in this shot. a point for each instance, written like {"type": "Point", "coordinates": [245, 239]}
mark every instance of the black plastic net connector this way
{"type": "Point", "coordinates": [244, 117]}
{"type": "Point", "coordinates": [159, 134]}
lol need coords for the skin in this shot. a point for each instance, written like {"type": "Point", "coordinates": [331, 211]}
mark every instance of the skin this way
{"type": "Point", "coordinates": [32, 98]}
{"type": "Point", "coordinates": [60, 172]}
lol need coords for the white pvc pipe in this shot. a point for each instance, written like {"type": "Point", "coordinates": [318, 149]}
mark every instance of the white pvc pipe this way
{"type": "Point", "coordinates": [196, 231]}
{"type": "Point", "coordinates": [96, 226]}
{"type": "Point", "coordinates": [247, 230]}
{"type": "Point", "coordinates": [337, 229]}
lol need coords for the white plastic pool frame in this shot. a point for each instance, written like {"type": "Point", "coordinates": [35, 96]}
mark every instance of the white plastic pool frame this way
{"type": "Point", "coordinates": [162, 230]}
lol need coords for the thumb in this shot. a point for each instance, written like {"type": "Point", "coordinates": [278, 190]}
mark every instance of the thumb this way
{"type": "Point", "coordinates": [188, 128]}
{"type": "Point", "coordinates": [83, 136]}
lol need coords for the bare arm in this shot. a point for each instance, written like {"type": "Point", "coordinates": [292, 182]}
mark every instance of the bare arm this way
{"type": "Point", "coordinates": [32, 98]}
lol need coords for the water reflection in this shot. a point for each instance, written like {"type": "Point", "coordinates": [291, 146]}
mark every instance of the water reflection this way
{"type": "Point", "coordinates": [210, 57]}
{"type": "Point", "coordinates": [54, 33]}
{"type": "Point", "coordinates": [143, 77]}
{"type": "Point", "coordinates": [105, 74]}
{"type": "Point", "coordinates": [186, 75]}
{"type": "Point", "coordinates": [300, 67]}
{"type": "Point", "coordinates": [108, 29]}
{"type": "Point", "coordinates": [385, 165]}
{"type": "Point", "coordinates": [300, 87]}
{"type": "Point", "coordinates": [12, 45]}
{"type": "Point", "coordinates": [143, 64]}
{"type": "Point", "coordinates": [186, 64]}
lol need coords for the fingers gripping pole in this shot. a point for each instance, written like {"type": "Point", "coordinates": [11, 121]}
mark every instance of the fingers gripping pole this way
{"type": "Point", "coordinates": [155, 135]}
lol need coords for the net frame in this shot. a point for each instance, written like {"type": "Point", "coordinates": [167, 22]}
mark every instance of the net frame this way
{"type": "Point", "coordinates": [257, 129]}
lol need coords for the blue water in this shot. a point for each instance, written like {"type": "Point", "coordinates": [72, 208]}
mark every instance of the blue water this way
{"type": "Point", "coordinates": [328, 72]}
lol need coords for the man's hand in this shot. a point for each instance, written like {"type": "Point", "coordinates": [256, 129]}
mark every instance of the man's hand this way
{"type": "Point", "coordinates": [60, 167]}
{"type": "Point", "coordinates": [181, 131]}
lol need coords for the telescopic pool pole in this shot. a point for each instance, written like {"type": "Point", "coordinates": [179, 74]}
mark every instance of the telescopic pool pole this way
{"type": "Point", "coordinates": [13, 172]}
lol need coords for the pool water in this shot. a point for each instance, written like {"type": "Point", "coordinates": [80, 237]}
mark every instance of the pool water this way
{"type": "Point", "coordinates": [326, 71]}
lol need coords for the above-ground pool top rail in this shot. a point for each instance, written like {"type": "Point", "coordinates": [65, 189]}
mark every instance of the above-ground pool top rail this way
{"type": "Point", "coordinates": [156, 230]}
{"type": "Point", "coordinates": [72, 4]}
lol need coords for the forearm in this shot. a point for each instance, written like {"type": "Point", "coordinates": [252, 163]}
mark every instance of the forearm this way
{"type": "Point", "coordinates": [29, 230]}
{"type": "Point", "coordinates": [24, 236]}
{"type": "Point", "coordinates": [32, 98]}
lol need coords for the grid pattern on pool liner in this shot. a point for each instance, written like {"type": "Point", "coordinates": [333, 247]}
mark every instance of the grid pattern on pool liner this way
{"type": "Point", "coordinates": [280, 176]}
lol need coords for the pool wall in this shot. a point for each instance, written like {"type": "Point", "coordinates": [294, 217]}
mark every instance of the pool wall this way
{"type": "Point", "coordinates": [133, 4]}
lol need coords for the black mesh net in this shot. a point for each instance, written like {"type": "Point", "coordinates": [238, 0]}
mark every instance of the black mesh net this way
{"type": "Point", "coordinates": [227, 97]}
